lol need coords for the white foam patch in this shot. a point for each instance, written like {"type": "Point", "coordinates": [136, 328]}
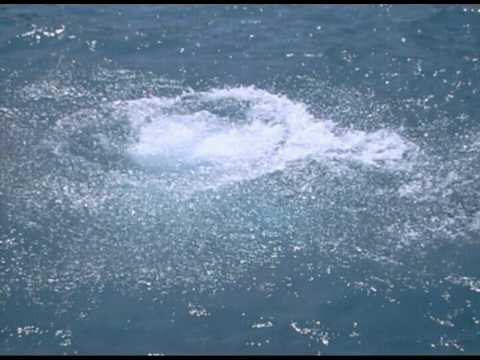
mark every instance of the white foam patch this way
{"type": "Point", "coordinates": [273, 132]}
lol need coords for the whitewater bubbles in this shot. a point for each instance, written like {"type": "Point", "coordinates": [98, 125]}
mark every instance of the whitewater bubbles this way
{"type": "Point", "coordinates": [245, 132]}
{"type": "Point", "coordinates": [201, 189]}
{"type": "Point", "coordinates": [208, 197]}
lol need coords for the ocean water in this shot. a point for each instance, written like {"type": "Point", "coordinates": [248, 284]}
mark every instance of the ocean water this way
{"type": "Point", "coordinates": [261, 179]}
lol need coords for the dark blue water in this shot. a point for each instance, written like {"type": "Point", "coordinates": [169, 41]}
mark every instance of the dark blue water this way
{"type": "Point", "coordinates": [239, 179]}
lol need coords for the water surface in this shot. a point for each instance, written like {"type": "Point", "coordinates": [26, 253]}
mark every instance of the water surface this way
{"type": "Point", "coordinates": [239, 179]}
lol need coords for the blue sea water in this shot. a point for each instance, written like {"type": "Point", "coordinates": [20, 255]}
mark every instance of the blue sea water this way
{"type": "Point", "coordinates": [239, 179]}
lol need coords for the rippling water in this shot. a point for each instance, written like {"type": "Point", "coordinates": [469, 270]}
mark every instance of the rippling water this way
{"type": "Point", "coordinates": [239, 179]}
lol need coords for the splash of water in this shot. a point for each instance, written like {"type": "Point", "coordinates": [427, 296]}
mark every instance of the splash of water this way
{"type": "Point", "coordinates": [242, 133]}
{"type": "Point", "coordinates": [202, 188]}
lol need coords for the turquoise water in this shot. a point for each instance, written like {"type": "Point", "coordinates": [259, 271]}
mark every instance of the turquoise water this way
{"type": "Point", "coordinates": [239, 179]}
